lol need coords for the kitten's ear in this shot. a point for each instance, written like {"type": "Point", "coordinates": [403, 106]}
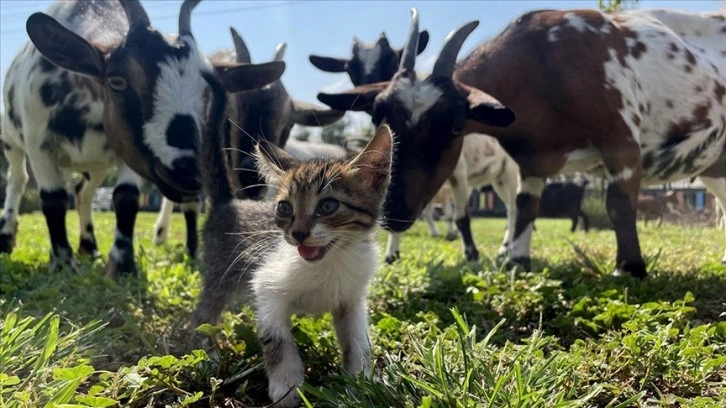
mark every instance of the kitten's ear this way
{"type": "Point", "coordinates": [374, 162]}
{"type": "Point", "coordinates": [272, 161]}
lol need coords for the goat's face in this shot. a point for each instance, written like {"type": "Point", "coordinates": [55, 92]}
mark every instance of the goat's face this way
{"type": "Point", "coordinates": [154, 91]}
{"type": "Point", "coordinates": [369, 62]}
{"type": "Point", "coordinates": [428, 118]}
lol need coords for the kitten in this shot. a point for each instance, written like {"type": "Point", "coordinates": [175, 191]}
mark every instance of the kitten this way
{"type": "Point", "coordinates": [311, 250]}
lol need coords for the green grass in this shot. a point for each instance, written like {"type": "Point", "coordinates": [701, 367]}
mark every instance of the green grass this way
{"type": "Point", "coordinates": [445, 333]}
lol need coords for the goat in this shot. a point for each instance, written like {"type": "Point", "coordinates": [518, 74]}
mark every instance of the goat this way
{"type": "Point", "coordinates": [98, 87]}
{"type": "Point", "coordinates": [485, 163]}
{"type": "Point", "coordinates": [267, 112]}
{"type": "Point", "coordinates": [564, 200]}
{"type": "Point", "coordinates": [654, 207]}
{"type": "Point", "coordinates": [369, 63]}
{"type": "Point", "coordinates": [589, 91]}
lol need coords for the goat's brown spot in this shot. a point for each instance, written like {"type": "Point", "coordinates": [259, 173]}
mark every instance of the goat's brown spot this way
{"type": "Point", "coordinates": [638, 50]}
{"type": "Point", "coordinates": [636, 119]}
{"type": "Point", "coordinates": [690, 58]}
{"type": "Point", "coordinates": [673, 47]}
{"type": "Point", "coordinates": [698, 88]}
{"type": "Point", "coordinates": [719, 91]}
{"type": "Point", "coordinates": [700, 112]}
{"type": "Point", "coordinates": [687, 68]}
{"type": "Point", "coordinates": [669, 103]}
{"type": "Point", "coordinates": [671, 56]}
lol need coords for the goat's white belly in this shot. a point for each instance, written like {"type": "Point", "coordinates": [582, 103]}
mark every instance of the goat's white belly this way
{"type": "Point", "coordinates": [588, 160]}
{"type": "Point", "coordinates": [94, 154]}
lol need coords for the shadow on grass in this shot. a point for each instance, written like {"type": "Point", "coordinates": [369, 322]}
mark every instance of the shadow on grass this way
{"type": "Point", "coordinates": [566, 299]}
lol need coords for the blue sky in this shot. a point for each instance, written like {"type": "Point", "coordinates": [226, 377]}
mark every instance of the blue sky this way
{"type": "Point", "coordinates": [320, 27]}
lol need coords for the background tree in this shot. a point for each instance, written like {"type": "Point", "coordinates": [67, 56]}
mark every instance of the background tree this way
{"type": "Point", "coordinates": [301, 133]}
{"type": "Point", "coordinates": [335, 133]}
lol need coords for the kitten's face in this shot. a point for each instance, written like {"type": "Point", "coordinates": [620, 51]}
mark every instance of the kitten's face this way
{"type": "Point", "coordinates": [322, 205]}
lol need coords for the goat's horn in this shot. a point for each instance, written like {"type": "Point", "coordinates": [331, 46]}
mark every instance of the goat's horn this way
{"type": "Point", "coordinates": [446, 62]}
{"type": "Point", "coordinates": [240, 48]}
{"type": "Point", "coordinates": [185, 17]}
{"type": "Point", "coordinates": [280, 52]}
{"type": "Point", "coordinates": [135, 13]}
{"type": "Point", "coordinates": [408, 59]}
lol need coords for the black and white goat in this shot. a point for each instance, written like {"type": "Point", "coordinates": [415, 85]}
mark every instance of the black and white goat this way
{"type": "Point", "coordinates": [369, 62]}
{"type": "Point", "coordinates": [267, 112]}
{"type": "Point", "coordinates": [98, 87]}
{"type": "Point", "coordinates": [482, 161]}
{"type": "Point", "coordinates": [589, 91]}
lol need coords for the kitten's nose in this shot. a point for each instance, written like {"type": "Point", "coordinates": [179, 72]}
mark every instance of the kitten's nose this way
{"type": "Point", "coordinates": [300, 235]}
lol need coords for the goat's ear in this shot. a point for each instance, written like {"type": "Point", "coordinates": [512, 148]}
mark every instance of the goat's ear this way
{"type": "Point", "coordinates": [329, 64]}
{"type": "Point", "coordinates": [374, 162]}
{"type": "Point", "coordinates": [359, 98]}
{"type": "Point", "coordinates": [423, 41]}
{"type": "Point", "coordinates": [487, 110]}
{"type": "Point", "coordinates": [245, 77]}
{"type": "Point", "coordinates": [63, 47]}
{"type": "Point", "coordinates": [272, 161]}
{"type": "Point", "coordinates": [307, 114]}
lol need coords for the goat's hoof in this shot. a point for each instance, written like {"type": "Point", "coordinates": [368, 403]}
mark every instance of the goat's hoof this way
{"type": "Point", "coordinates": [116, 268]}
{"type": "Point", "coordinates": [159, 236]}
{"type": "Point", "coordinates": [452, 236]}
{"type": "Point", "coordinates": [7, 243]}
{"type": "Point", "coordinates": [523, 262]}
{"type": "Point", "coordinates": [472, 254]}
{"type": "Point", "coordinates": [64, 260]}
{"type": "Point", "coordinates": [635, 269]}
{"type": "Point", "coordinates": [390, 259]}
{"type": "Point", "coordinates": [88, 248]}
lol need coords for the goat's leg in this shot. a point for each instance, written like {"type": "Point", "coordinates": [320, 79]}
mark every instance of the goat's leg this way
{"type": "Point", "coordinates": [529, 193]}
{"type": "Point", "coordinates": [451, 231]}
{"type": "Point", "coordinates": [17, 179]}
{"type": "Point", "coordinates": [717, 186]}
{"type": "Point", "coordinates": [505, 186]}
{"type": "Point", "coordinates": [462, 192]}
{"type": "Point", "coordinates": [54, 200]}
{"type": "Point", "coordinates": [191, 213]}
{"type": "Point", "coordinates": [393, 247]}
{"type": "Point", "coordinates": [85, 190]}
{"type": "Point", "coordinates": [163, 221]}
{"type": "Point", "coordinates": [428, 216]}
{"type": "Point", "coordinates": [585, 220]}
{"type": "Point", "coordinates": [126, 203]}
{"type": "Point", "coordinates": [623, 162]}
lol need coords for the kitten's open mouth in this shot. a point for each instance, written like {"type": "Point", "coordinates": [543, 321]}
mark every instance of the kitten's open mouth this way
{"type": "Point", "coordinates": [313, 253]}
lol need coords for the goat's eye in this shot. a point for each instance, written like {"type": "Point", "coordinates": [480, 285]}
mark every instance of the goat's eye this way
{"type": "Point", "coordinates": [328, 206]}
{"type": "Point", "coordinates": [284, 209]}
{"type": "Point", "coordinates": [117, 83]}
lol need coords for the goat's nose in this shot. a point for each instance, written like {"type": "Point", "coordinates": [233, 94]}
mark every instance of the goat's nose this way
{"type": "Point", "coordinates": [300, 235]}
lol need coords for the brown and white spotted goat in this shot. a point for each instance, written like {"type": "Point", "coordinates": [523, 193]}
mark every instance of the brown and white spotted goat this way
{"type": "Point", "coordinates": [98, 87]}
{"type": "Point", "coordinates": [638, 97]}
{"type": "Point", "coordinates": [482, 162]}
{"type": "Point", "coordinates": [267, 112]}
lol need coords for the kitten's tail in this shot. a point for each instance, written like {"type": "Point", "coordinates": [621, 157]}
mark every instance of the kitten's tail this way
{"type": "Point", "coordinates": [214, 172]}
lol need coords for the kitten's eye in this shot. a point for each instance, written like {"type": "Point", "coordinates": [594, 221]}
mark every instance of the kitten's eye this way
{"type": "Point", "coordinates": [117, 83]}
{"type": "Point", "coordinates": [284, 209]}
{"type": "Point", "coordinates": [328, 206]}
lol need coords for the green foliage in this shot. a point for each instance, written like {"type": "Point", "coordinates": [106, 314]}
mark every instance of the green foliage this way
{"type": "Point", "coordinates": [610, 6]}
{"type": "Point", "coordinates": [444, 332]}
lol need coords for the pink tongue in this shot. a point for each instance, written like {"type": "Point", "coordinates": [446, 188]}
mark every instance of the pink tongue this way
{"type": "Point", "coordinates": [308, 252]}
